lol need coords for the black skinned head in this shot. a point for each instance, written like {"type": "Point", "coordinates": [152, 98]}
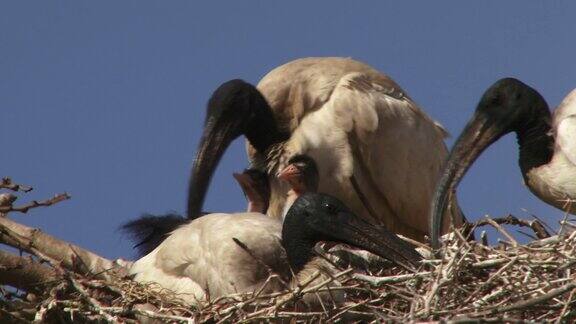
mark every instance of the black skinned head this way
{"type": "Point", "coordinates": [510, 104]}
{"type": "Point", "coordinates": [316, 217]}
{"type": "Point", "coordinates": [507, 106]}
{"type": "Point", "coordinates": [235, 108]}
{"type": "Point", "coordinates": [235, 105]}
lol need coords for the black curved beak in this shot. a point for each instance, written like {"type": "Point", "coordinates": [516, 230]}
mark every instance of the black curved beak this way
{"type": "Point", "coordinates": [348, 228]}
{"type": "Point", "coordinates": [235, 108]}
{"type": "Point", "coordinates": [479, 133]}
{"type": "Point", "coordinates": [217, 136]}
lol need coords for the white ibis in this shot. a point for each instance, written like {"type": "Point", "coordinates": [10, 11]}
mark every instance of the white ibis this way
{"type": "Point", "coordinates": [223, 253]}
{"type": "Point", "coordinates": [547, 145]}
{"type": "Point", "coordinates": [376, 149]}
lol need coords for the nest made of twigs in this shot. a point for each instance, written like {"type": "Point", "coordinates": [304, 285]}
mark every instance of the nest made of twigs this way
{"type": "Point", "coordinates": [511, 282]}
{"type": "Point", "coordinates": [470, 281]}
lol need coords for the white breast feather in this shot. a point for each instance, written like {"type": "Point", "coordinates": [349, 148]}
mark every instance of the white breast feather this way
{"type": "Point", "coordinates": [566, 138]}
{"type": "Point", "coordinates": [202, 255]}
{"type": "Point", "coordinates": [565, 126]}
{"type": "Point", "coordinates": [324, 133]}
{"type": "Point", "coordinates": [401, 146]}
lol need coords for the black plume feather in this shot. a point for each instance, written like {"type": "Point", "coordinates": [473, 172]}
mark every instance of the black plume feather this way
{"type": "Point", "coordinates": [149, 231]}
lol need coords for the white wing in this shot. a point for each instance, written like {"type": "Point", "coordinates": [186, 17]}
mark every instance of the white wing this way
{"type": "Point", "coordinates": [369, 139]}
{"type": "Point", "coordinates": [202, 256]}
{"type": "Point", "coordinates": [376, 150]}
{"type": "Point", "coordinates": [566, 137]}
{"type": "Point", "coordinates": [565, 126]}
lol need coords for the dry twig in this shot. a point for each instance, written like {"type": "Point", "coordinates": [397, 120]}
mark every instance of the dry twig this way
{"type": "Point", "coordinates": [530, 282]}
{"type": "Point", "coordinates": [51, 249]}
{"type": "Point", "coordinates": [6, 183]}
{"type": "Point", "coordinates": [34, 204]}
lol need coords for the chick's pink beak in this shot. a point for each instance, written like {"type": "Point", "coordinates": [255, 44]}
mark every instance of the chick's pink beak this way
{"type": "Point", "coordinates": [290, 172]}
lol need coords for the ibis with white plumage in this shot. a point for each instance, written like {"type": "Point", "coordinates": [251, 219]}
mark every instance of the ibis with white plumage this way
{"type": "Point", "coordinates": [231, 253]}
{"type": "Point", "coordinates": [376, 149]}
{"type": "Point", "coordinates": [547, 145]}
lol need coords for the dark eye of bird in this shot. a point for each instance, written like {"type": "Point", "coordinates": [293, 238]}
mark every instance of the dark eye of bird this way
{"type": "Point", "coordinates": [330, 208]}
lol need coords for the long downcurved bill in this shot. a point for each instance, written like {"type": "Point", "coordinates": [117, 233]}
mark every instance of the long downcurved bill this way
{"type": "Point", "coordinates": [352, 230]}
{"type": "Point", "coordinates": [478, 134]}
{"type": "Point", "coordinates": [214, 142]}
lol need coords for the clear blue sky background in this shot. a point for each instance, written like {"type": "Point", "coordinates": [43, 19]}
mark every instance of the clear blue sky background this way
{"type": "Point", "coordinates": [105, 99]}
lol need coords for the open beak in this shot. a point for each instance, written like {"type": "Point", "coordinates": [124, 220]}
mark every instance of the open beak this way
{"type": "Point", "coordinates": [478, 134]}
{"type": "Point", "coordinates": [289, 173]}
{"type": "Point", "coordinates": [348, 228]}
{"type": "Point", "coordinates": [215, 140]}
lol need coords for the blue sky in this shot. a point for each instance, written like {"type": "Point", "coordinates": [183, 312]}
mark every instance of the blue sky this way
{"type": "Point", "coordinates": [105, 100]}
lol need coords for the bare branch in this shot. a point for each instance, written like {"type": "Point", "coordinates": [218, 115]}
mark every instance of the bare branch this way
{"type": "Point", "coordinates": [6, 183]}
{"type": "Point", "coordinates": [95, 304]}
{"type": "Point", "coordinates": [34, 204]}
{"type": "Point", "coordinates": [6, 200]}
{"type": "Point", "coordinates": [24, 273]}
{"type": "Point", "coordinates": [58, 252]}
{"type": "Point", "coordinates": [378, 281]}
{"type": "Point", "coordinates": [532, 301]}
{"type": "Point", "coordinates": [510, 219]}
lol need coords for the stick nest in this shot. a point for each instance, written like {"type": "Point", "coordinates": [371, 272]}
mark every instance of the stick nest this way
{"type": "Point", "coordinates": [471, 281]}
{"type": "Point", "coordinates": [531, 282]}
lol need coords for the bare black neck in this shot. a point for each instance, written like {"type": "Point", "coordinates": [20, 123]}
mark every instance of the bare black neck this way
{"type": "Point", "coordinates": [299, 239]}
{"type": "Point", "coordinates": [535, 141]}
{"type": "Point", "coordinates": [262, 130]}
{"type": "Point", "coordinates": [299, 252]}
{"type": "Point", "coordinates": [235, 108]}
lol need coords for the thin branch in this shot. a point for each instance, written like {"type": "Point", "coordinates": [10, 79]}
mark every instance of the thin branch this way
{"type": "Point", "coordinates": [565, 308]}
{"type": "Point", "coordinates": [6, 200]}
{"type": "Point", "coordinates": [545, 224]}
{"type": "Point", "coordinates": [378, 281]}
{"type": "Point", "coordinates": [56, 251]}
{"type": "Point", "coordinates": [93, 302]}
{"type": "Point", "coordinates": [147, 313]}
{"type": "Point", "coordinates": [501, 230]}
{"type": "Point", "coordinates": [6, 183]}
{"type": "Point", "coordinates": [510, 219]}
{"type": "Point", "coordinates": [531, 302]}
{"type": "Point", "coordinates": [34, 204]}
{"type": "Point", "coordinates": [24, 273]}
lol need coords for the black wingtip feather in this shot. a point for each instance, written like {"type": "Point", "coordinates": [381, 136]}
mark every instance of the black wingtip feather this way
{"type": "Point", "coordinates": [149, 231]}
